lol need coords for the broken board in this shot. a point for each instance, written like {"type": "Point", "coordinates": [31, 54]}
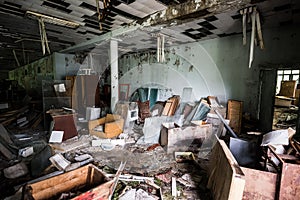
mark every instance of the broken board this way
{"type": "Point", "coordinates": [226, 179]}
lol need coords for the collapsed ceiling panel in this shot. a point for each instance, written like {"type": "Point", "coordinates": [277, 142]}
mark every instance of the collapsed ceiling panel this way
{"type": "Point", "coordinates": [17, 29]}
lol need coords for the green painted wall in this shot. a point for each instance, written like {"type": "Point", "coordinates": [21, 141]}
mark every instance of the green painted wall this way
{"type": "Point", "coordinates": [281, 50]}
{"type": "Point", "coordinates": [216, 67]}
{"type": "Point", "coordinates": [53, 67]}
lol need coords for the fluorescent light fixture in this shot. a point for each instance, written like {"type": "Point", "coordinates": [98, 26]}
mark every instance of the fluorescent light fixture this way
{"type": "Point", "coordinates": [52, 20]}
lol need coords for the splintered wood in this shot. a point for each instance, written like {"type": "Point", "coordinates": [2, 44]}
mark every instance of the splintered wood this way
{"type": "Point", "coordinates": [226, 179]}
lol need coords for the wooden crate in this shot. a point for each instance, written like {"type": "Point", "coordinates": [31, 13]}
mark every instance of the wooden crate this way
{"type": "Point", "coordinates": [180, 139]}
{"type": "Point", "coordinates": [81, 179]}
{"type": "Point", "coordinates": [234, 114]}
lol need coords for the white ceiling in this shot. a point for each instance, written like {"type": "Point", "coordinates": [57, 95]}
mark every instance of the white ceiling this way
{"type": "Point", "coordinates": [20, 33]}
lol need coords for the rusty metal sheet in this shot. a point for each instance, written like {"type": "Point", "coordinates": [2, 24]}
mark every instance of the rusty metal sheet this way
{"type": "Point", "coordinates": [290, 182]}
{"type": "Point", "coordinates": [260, 185]}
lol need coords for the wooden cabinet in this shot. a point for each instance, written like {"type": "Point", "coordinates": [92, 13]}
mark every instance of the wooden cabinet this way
{"type": "Point", "coordinates": [85, 92]}
{"type": "Point", "coordinates": [234, 114]}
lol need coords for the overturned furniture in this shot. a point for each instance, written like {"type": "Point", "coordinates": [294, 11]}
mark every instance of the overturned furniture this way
{"type": "Point", "coordinates": [79, 180]}
{"type": "Point", "coordinates": [107, 127]}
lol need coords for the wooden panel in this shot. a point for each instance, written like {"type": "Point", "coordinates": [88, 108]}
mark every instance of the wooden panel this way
{"type": "Point", "coordinates": [290, 182]}
{"type": "Point", "coordinates": [234, 114]}
{"type": "Point", "coordinates": [66, 123]}
{"type": "Point", "coordinates": [287, 88]}
{"type": "Point", "coordinates": [171, 106]}
{"type": "Point", "coordinates": [260, 185]}
{"type": "Point", "coordinates": [226, 179]}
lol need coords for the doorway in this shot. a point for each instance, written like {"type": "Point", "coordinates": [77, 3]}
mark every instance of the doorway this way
{"type": "Point", "coordinates": [285, 112]}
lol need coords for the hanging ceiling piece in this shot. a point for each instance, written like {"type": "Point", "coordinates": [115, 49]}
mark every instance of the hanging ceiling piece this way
{"type": "Point", "coordinates": [52, 20]}
{"type": "Point", "coordinates": [102, 13]}
{"type": "Point", "coordinates": [253, 17]}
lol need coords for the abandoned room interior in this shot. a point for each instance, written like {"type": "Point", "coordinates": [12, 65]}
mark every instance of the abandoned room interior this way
{"type": "Point", "coordinates": [149, 99]}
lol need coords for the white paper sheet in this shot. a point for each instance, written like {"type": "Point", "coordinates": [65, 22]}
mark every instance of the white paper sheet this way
{"type": "Point", "coordinates": [278, 137]}
{"type": "Point", "coordinates": [56, 137]}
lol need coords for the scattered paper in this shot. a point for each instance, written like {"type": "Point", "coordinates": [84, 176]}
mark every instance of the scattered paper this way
{"type": "Point", "coordinates": [56, 137]}
{"type": "Point", "coordinates": [278, 137]}
{"type": "Point", "coordinates": [60, 87]}
{"type": "Point", "coordinates": [59, 161]}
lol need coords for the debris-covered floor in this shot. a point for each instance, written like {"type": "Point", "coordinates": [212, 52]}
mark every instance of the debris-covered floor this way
{"type": "Point", "coordinates": [168, 152]}
{"type": "Point", "coordinates": [148, 170]}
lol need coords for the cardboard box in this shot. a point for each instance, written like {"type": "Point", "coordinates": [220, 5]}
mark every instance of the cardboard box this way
{"type": "Point", "coordinates": [112, 126]}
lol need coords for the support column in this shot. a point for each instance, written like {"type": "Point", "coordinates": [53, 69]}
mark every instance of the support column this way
{"type": "Point", "coordinates": [114, 73]}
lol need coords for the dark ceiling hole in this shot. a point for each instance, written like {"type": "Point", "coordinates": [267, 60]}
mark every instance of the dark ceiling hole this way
{"type": "Point", "coordinates": [211, 18]}
{"type": "Point", "coordinates": [12, 9]}
{"type": "Point", "coordinates": [91, 32]}
{"type": "Point", "coordinates": [56, 6]}
{"type": "Point", "coordinates": [125, 14]}
{"type": "Point", "coordinates": [88, 6]}
{"type": "Point", "coordinates": [11, 12]}
{"type": "Point", "coordinates": [127, 1]}
{"type": "Point", "coordinates": [238, 16]}
{"type": "Point", "coordinates": [283, 7]}
{"type": "Point", "coordinates": [207, 25]}
{"type": "Point", "coordinates": [59, 3]}
{"type": "Point", "coordinates": [227, 34]}
{"type": "Point", "coordinates": [81, 32]}
{"type": "Point", "coordinates": [205, 31]}
{"type": "Point", "coordinates": [189, 30]}
{"type": "Point", "coordinates": [12, 4]}
{"type": "Point", "coordinates": [53, 31]}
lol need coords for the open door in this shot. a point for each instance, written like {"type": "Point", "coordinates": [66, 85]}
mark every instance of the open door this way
{"type": "Point", "coordinates": [267, 88]}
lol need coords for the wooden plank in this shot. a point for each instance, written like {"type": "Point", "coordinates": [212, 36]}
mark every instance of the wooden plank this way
{"type": "Point", "coordinates": [259, 185]}
{"type": "Point", "coordinates": [67, 182]}
{"type": "Point", "coordinates": [226, 179]}
{"type": "Point", "coordinates": [234, 114]}
{"type": "Point", "coordinates": [288, 88]}
{"type": "Point", "coordinates": [290, 182]}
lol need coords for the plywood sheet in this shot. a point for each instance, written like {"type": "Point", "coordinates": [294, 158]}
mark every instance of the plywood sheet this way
{"type": "Point", "coordinates": [259, 185]}
{"type": "Point", "coordinates": [226, 179]}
